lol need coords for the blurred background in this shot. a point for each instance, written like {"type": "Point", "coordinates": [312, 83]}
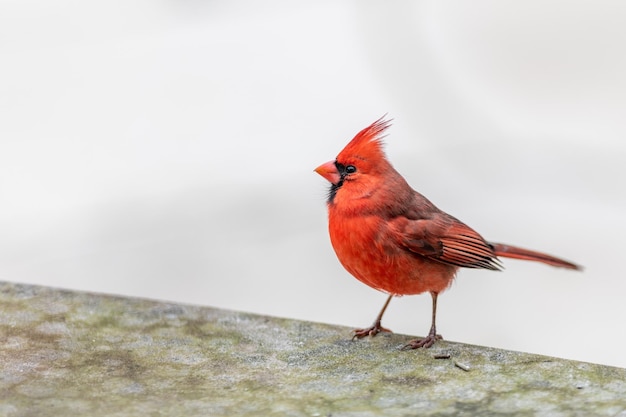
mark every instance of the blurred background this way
{"type": "Point", "coordinates": [165, 149]}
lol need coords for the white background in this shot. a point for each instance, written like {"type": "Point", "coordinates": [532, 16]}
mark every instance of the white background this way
{"type": "Point", "coordinates": [165, 149]}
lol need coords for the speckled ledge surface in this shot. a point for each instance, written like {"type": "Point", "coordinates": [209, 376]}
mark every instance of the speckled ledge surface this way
{"type": "Point", "coordinates": [65, 353]}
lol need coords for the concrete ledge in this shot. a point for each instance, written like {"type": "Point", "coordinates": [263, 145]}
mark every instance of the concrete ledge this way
{"type": "Point", "coordinates": [68, 353]}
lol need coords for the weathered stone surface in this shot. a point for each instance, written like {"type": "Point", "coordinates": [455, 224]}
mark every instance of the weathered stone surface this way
{"type": "Point", "coordinates": [67, 353]}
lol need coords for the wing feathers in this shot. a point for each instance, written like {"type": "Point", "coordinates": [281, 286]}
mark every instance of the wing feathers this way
{"type": "Point", "coordinates": [454, 244]}
{"type": "Point", "coordinates": [469, 251]}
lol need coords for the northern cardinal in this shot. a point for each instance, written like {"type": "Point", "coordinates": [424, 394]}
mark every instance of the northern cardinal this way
{"type": "Point", "coordinates": [394, 239]}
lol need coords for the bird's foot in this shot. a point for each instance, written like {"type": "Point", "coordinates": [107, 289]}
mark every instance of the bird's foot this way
{"type": "Point", "coordinates": [373, 330]}
{"type": "Point", "coordinates": [425, 343]}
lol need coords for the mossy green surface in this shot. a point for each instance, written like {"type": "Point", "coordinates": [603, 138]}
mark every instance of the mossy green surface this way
{"type": "Point", "coordinates": [68, 353]}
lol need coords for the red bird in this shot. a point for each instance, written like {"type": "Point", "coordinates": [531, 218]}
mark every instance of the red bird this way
{"type": "Point", "coordinates": [394, 239]}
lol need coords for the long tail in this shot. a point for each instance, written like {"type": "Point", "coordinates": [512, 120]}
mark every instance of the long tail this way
{"type": "Point", "coordinates": [508, 251]}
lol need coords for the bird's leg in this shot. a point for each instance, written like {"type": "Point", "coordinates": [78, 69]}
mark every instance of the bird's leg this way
{"type": "Point", "coordinates": [375, 328]}
{"type": "Point", "coordinates": [432, 337]}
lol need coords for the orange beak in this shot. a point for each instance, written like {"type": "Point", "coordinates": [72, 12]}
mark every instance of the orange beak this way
{"type": "Point", "coordinates": [329, 171]}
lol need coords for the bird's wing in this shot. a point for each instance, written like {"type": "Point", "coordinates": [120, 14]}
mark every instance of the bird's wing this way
{"type": "Point", "coordinates": [447, 240]}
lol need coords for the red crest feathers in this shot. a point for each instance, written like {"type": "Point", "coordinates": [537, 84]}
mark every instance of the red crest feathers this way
{"type": "Point", "coordinates": [368, 143]}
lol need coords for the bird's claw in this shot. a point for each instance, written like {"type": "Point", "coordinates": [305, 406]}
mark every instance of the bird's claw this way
{"type": "Point", "coordinates": [425, 343]}
{"type": "Point", "coordinates": [370, 331]}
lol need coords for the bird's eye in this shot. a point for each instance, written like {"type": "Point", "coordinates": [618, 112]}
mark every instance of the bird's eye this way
{"type": "Point", "coordinates": [350, 169]}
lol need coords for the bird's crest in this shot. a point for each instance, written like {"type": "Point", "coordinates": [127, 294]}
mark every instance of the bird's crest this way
{"type": "Point", "coordinates": [368, 143]}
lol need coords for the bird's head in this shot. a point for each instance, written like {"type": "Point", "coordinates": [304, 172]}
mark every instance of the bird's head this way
{"type": "Point", "coordinates": [361, 165]}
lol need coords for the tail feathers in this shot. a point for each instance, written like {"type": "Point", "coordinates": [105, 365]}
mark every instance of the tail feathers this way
{"type": "Point", "coordinates": [508, 251]}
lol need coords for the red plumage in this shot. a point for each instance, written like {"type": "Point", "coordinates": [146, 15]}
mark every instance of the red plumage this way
{"type": "Point", "coordinates": [394, 239]}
